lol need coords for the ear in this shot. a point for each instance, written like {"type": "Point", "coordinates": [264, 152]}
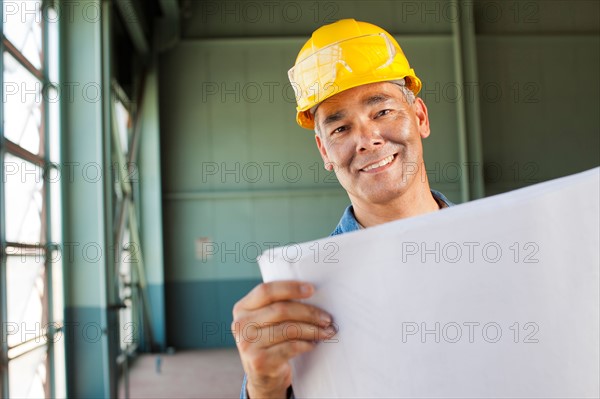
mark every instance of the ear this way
{"type": "Point", "coordinates": [422, 117]}
{"type": "Point", "coordinates": [322, 150]}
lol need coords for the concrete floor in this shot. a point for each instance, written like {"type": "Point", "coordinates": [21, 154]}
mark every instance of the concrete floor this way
{"type": "Point", "coordinates": [215, 373]}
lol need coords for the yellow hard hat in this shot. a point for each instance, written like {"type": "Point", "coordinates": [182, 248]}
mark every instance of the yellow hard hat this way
{"type": "Point", "coordinates": [343, 55]}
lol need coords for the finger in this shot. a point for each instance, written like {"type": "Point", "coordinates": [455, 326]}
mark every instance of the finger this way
{"type": "Point", "coordinates": [255, 338]}
{"type": "Point", "coordinates": [270, 363]}
{"type": "Point", "coordinates": [282, 311]}
{"type": "Point", "coordinates": [267, 293]}
{"type": "Point", "coordinates": [285, 351]}
{"type": "Point", "coordinates": [273, 363]}
{"type": "Point", "coordinates": [288, 332]}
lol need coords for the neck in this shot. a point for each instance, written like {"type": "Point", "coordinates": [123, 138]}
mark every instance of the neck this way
{"type": "Point", "coordinates": [412, 203]}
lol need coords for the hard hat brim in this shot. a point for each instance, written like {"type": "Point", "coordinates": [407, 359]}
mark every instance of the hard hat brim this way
{"type": "Point", "coordinates": [306, 119]}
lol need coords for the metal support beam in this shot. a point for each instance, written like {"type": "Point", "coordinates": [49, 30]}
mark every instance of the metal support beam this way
{"type": "Point", "coordinates": [85, 57]}
{"type": "Point", "coordinates": [168, 27]}
{"type": "Point", "coordinates": [150, 217]}
{"type": "Point", "coordinates": [462, 126]}
{"type": "Point", "coordinates": [472, 111]}
{"type": "Point", "coordinates": [134, 23]}
{"type": "Point", "coordinates": [170, 8]}
{"type": "Point", "coordinates": [3, 297]}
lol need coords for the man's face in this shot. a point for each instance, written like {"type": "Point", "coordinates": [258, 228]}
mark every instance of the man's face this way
{"type": "Point", "coordinates": [371, 136]}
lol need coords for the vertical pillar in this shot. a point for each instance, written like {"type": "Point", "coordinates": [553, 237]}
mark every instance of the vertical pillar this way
{"type": "Point", "coordinates": [3, 298]}
{"type": "Point", "coordinates": [461, 116]}
{"type": "Point", "coordinates": [87, 252]}
{"type": "Point", "coordinates": [472, 110]}
{"type": "Point", "coordinates": [151, 206]}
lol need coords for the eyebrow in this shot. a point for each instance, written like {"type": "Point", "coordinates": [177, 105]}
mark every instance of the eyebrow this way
{"type": "Point", "coordinates": [335, 117]}
{"type": "Point", "coordinates": [369, 101]}
{"type": "Point", "coordinates": [376, 99]}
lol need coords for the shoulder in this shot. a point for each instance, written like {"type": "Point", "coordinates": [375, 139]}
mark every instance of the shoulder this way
{"type": "Point", "coordinates": [347, 223]}
{"type": "Point", "coordinates": [441, 198]}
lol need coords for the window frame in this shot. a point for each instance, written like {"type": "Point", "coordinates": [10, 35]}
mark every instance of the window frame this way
{"type": "Point", "coordinates": [49, 243]}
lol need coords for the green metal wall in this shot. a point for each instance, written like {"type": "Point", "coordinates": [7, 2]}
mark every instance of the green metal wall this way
{"type": "Point", "coordinates": [231, 150]}
{"type": "Point", "coordinates": [240, 174]}
{"type": "Point", "coordinates": [549, 105]}
{"type": "Point", "coordinates": [540, 62]}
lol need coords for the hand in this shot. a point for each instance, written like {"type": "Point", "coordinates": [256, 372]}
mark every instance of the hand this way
{"type": "Point", "coordinates": [270, 328]}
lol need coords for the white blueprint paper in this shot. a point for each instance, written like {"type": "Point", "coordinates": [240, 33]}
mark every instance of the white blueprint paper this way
{"type": "Point", "coordinates": [493, 298]}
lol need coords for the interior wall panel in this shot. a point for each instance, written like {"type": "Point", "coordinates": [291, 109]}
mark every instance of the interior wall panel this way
{"type": "Point", "coordinates": [239, 173]}
{"type": "Point", "coordinates": [540, 111]}
{"type": "Point", "coordinates": [231, 150]}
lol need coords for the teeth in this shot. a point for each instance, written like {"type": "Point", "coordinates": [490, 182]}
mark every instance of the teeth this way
{"type": "Point", "coordinates": [380, 163]}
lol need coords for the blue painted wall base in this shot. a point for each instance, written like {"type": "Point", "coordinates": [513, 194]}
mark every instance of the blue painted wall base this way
{"type": "Point", "coordinates": [84, 352]}
{"type": "Point", "coordinates": [199, 313]}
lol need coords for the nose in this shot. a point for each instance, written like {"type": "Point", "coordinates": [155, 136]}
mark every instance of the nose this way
{"type": "Point", "coordinates": [370, 137]}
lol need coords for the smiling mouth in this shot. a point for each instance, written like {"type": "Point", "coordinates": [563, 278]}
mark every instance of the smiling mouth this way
{"type": "Point", "coordinates": [376, 166]}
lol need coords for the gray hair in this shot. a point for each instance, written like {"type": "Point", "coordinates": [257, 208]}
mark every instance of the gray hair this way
{"type": "Point", "coordinates": [408, 94]}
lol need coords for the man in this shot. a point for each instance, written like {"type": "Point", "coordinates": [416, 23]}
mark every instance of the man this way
{"type": "Point", "coordinates": [355, 88]}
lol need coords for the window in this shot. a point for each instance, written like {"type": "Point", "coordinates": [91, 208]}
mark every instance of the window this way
{"type": "Point", "coordinates": [31, 281]}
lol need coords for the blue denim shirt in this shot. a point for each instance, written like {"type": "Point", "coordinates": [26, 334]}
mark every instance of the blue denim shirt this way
{"type": "Point", "coordinates": [347, 224]}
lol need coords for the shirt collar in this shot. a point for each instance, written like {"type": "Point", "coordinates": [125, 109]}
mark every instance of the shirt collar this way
{"type": "Point", "coordinates": [349, 223]}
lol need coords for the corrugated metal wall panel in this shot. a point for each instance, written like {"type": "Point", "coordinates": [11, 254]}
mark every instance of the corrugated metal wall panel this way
{"type": "Point", "coordinates": [539, 108]}
{"type": "Point", "coordinates": [231, 148]}
{"type": "Point", "coordinates": [241, 174]}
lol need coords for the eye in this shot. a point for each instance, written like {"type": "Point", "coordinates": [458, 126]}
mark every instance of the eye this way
{"type": "Point", "coordinates": [383, 112]}
{"type": "Point", "coordinates": [340, 129]}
